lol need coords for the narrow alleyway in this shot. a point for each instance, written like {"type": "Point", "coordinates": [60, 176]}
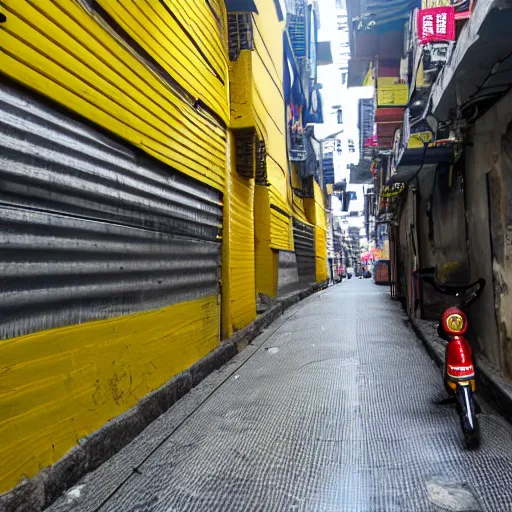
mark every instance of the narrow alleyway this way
{"type": "Point", "coordinates": [331, 409]}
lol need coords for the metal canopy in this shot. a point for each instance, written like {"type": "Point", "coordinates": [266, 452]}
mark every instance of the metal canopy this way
{"type": "Point", "coordinates": [414, 160]}
{"type": "Point", "coordinates": [387, 11]}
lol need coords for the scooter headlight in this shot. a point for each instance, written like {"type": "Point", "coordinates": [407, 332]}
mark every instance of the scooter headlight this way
{"type": "Point", "coordinates": [454, 321]}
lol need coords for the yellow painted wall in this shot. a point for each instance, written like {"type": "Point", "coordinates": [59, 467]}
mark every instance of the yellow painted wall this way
{"type": "Point", "coordinates": [58, 386]}
{"type": "Point", "coordinates": [266, 260]}
{"type": "Point", "coordinates": [269, 114]}
{"type": "Point", "coordinates": [240, 80]}
{"type": "Point", "coordinates": [207, 32]}
{"type": "Point", "coordinates": [298, 209]}
{"type": "Point", "coordinates": [321, 254]}
{"type": "Point", "coordinates": [315, 211]}
{"type": "Point", "coordinates": [64, 52]}
{"type": "Point", "coordinates": [238, 260]}
{"type": "Point", "coordinates": [151, 25]}
{"type": "Point", "coordinates": [261, 72]}
{"type": "Point", "coordinates": [281, 230]}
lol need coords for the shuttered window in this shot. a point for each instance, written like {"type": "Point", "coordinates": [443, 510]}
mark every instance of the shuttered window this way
{"type": "Point", "coordinates": [240, 36]}
{"type": "Point", "coordinates": [251, 156]}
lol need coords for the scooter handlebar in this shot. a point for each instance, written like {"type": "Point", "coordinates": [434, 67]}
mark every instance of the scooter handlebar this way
{"type": "Point", "coordinates": [428, 275]}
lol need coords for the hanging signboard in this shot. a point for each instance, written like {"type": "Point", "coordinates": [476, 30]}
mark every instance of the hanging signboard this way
{"type": "Point", "coordinates": [371, 142]}
{"type": "Point", "coordinates": [392, 190]}
{"type": "Point", "coordinates": [436, 24]}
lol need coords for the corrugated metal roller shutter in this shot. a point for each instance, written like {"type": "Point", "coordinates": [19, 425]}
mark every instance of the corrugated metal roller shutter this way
{"type": "Point", "coordinates": [304, 237]}
{"type": "Point", "coordinates": [91, 229]}
{"type": "Point", "coordinates": [280, 232]}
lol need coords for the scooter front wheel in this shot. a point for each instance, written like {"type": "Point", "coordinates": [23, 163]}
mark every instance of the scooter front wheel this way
{"type": "Point", "coordinates": [468, 419]}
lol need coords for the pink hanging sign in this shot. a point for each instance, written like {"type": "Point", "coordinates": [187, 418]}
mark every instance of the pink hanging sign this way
{"type": "Point", "coordinates": [436, 24]}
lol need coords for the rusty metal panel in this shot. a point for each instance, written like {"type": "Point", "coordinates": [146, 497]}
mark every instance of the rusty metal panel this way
{"type": "Point", "coordinates": [90, 228]}
{"type": "Point", "coordinates": [304, 239]}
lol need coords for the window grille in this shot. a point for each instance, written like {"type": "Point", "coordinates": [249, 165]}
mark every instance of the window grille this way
{"type": "Point", "coordinates": [240, 35]}
{"type": "Point", "coordinates": [245, 154]}
{"type": "Point", "coordinates": [261, 163]}
{"type": "Point", "coordinates": [251, 156]}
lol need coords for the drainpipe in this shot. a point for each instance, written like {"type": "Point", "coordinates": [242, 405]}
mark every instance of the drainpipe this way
{"type": "Point", "coordinates": [322, 167]}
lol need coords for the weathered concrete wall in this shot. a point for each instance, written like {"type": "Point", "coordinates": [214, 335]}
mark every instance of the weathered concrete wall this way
{"type": "Point", "coordinates": [441, 223]}
{"type": "Point", "coordinates": [448, 219]}
{"type": "Point", "coordinates": [425, 225]}
{"type": "Point", "coordinates": [407, 248]}
{"type": "Point", "coordinates": [288, 274]}
{"type": "Point", "coordinates": [489, 194]}
{"type": "Point", "coordinates": [441, 232]}
{"type": "Point", "coordinates": [433, 234]}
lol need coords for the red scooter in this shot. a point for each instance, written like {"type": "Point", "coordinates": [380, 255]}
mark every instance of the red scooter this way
{"type": "Point", "coordinates": [459, 371]}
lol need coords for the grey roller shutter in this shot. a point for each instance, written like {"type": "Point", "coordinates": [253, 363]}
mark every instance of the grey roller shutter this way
{"type": "Point", "coordinates": [90, 228]}
{"type": "Point", "coordinates": [304, 238]}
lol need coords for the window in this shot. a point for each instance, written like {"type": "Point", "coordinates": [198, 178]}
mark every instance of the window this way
{"type": "Point", "coordinates": [251, 156]}
{"type": "Point", "coordinates": [261, 163]}
{"type": "Point", "coordinates": [240, 35]}
{"type": "Point", "coordinates": [296, 25]}
{"type": "Point", "coordinates": [245, 152]}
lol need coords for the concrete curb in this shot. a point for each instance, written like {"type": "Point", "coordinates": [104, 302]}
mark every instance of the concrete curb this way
{"type": "Point", "coordinates": [434, 348]}
{"type": "Point", "coordinates": [491, 385]}
{"type": "Point", "coordinates": [42, 490]}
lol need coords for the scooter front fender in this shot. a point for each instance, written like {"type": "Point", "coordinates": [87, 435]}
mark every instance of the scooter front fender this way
{"type": "Point", "coordinates": [459, 359]}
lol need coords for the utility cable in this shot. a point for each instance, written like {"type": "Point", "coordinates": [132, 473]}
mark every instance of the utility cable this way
{"type": "Point", "coordinates": [423, 160]}
{"type": "Point", "coordinates": [494, 71]}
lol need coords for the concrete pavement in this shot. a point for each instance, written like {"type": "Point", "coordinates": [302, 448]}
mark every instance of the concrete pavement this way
{"type": "Point", "coordinates": [332, 408]}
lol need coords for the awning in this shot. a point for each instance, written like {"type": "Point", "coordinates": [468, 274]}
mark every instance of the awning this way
{"type": "Point", "coordinates": [416, 160]}
{"type": "Point", "coordinates": [241, 6]}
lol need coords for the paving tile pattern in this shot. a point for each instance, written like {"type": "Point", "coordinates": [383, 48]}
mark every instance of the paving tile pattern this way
{"type": "Point", "coordinates": [333, 408]}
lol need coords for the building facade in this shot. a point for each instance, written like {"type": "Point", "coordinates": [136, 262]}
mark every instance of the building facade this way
{"type": "Point", "coordinates": [441, 173]}
{"type": "Point", "coordinates": [148, 197]}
